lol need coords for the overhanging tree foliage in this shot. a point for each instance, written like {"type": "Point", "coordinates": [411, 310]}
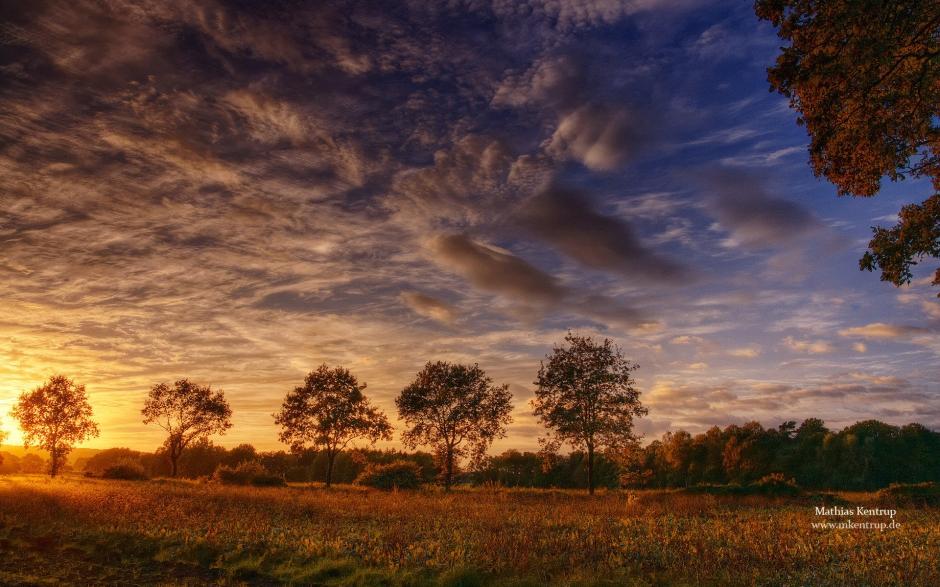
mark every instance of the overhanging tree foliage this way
{"type": "Point", "coordinates": [328, 412]}
{"type": "Point", "coordinates": [457, 410]}
{"type": "Point", "coordinates": [587, 399]}
{"type": "Point", "coordinates": [865, 77]}
{"type": "Point", "coordinates": [187, 412]}
{"type": "Point", "coordinates": [55, 417]}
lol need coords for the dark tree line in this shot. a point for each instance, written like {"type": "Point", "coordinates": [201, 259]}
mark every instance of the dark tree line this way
{"type": "Point", "coordinates": [202, 458]}
{"type": "Point", "coordinates": [867, 455]}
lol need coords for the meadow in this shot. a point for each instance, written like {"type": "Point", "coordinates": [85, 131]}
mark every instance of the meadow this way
{"type": "Point", "coordinates": [76, 530]}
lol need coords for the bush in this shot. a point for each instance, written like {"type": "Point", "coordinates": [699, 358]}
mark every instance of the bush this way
{"type": "Point", "coordinates": [98, 463]}
{"type": "Point", "coordinates": [246, 473]}
{"type": "Point", "coordinates": [911, 493]}
{"type": "Point", "coordinates": [394, 475]}
{"type": "Point", "coordinates": [125, 471]}
{"type": "Point", "coordinates": [775, 484]}
{"type": "Point", "coordinates": [268, 480]}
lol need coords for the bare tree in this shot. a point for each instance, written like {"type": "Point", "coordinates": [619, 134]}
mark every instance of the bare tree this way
{"type": "Point", "coordinates": [328, 412]}
{"type": "Point", "coordinates": [457, 410]}
{"type": "Point", "coordinates": [55, 417]}
{"type": "Point", "coordinates": [585, 397]}
{"type": "Point", "coordinates": [187, 412]}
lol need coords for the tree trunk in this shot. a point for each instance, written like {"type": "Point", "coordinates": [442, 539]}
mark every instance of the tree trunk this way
{"type": "Point", "coordinates": [448, 469]}
{"type": "Point", "coordinates": [53, 462]}
{"type": "Point", "coordinates": [330, 457]}
{"type": "Point", "coordinates": [174, 458]}
{"type": "Point", "coordinates": [590, 466]}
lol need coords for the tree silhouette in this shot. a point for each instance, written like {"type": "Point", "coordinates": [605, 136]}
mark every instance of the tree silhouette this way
{"type": "Point", "coordinates": [455, 409]}
{"type": "Point", "coordinates": [55, 417]}
{"type": "Point", "coordinates": [585, 397]}
{"type": "Point", "coordinates": [329, 411]}
{"type": "Point", "coordinates": [865, 77]}
{"type": "Point", "coordinates": [187, 412]}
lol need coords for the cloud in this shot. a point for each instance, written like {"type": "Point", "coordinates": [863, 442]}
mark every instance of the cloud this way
{"type": "Point", "coordinates": [747, 352]}
{"type": "Point", "coordinates": [860, 347]}
{"type": "Point", "coordinates": [565, 219]}
{"type": "Point", "coordinates": [558, 81]}
{"type": "Point", "coordinates": [687, 339]}
{"type": "Point", "coordinates": [467, 183]}
{"type": "Point", "coordinates": [753, 217]}
{"type": "Point", "coordinates": [813, 347]}
{"type": "Point", "coordinates": [883, 331]}
{"type": "Point", "coordinates": [429, 307]}
{"type": "Point", "coordinates": [270, 121]}
{"type": "Point", "coordinates": [601, 137]}
{"type": "Point", "coordinates": [496, 270]}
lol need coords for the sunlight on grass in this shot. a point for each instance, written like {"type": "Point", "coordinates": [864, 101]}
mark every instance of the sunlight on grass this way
{"type": "Point", "coordinates": [189, 533]}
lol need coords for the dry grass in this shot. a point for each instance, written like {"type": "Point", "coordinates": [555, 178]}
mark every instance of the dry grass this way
{"type": "Point", "coordinates": [180, 532]}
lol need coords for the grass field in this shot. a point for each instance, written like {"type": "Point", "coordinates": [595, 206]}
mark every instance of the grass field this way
{"type": "Point", "coordinates": [86, 531]}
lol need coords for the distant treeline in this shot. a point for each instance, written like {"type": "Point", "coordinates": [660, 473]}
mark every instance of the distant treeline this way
{"type": "Point", "coordinates": [865, 456]}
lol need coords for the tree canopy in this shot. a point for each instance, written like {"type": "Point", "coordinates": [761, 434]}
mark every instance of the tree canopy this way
{"type": "Point", "coordinates": [457, 410]}
{"type": "Point", "coordinates": [187, 412]}
{"type": "Point", "coordinates": [55, 417]}
{"type": "Point", "coordinates": [865, 78]}
{"type": "Point", "coordinates": [329, 411]}
{"type": "Point", "coordinates": [586, 398]}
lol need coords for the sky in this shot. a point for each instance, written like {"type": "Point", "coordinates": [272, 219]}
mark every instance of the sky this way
{"type": "Point", "coordinates": [238, 192]}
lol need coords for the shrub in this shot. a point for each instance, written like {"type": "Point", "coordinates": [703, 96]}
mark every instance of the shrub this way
{"type": "Point", "coordinates": [394, 475]}
{"type": "Point", "coordinates": [268, 480]}
{"type": "Point", "coordinates": [246, 473]}
{"type": "Point", "coordinates": [911, 493]}
{"type": "Point", "coordinates": [129, 471]}
{"type": "Point", "coordinates": [98, 463]}
{"type": "Point", "coordinates": [776, 484]}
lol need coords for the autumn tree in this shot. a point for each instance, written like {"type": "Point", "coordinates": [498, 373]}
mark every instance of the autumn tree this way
{"type": "Point", "coordinates": [328, 412]}
{"type": "Point", "coordinates": [865, 78]}
{"type": "Point", "coordinates": [187, 412]}
{"type": "Point", "coordinates": [586, 398]}
{"type": "Point", "coordinates": [55, 417]}
{"type": "Point", "coordinates": [457, 410]}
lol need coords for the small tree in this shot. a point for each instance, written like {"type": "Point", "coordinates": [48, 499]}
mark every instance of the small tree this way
{"type": "Point", "coordinates": [55, 417]}
{"type": "Point", "coordinates": [187, 412]}
{"type": "Point", "coordinates": [585, 397]}
{"type": "Point", "coordinates": [457, 410]}
{"type": "Point", "coordinates": [328, 412]}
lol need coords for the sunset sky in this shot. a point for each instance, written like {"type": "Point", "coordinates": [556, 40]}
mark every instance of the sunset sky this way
{"type": "Point", "coordinates": [238, 194]}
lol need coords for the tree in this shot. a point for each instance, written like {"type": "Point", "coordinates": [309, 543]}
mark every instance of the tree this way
{"type": "Point", "coordinates": [55, 417]}
{"type": "Point", "coordinates": [243, 453]}
{"type": "Point", "coordinates": [586, 398]}
{"type": "Point", "coordinates": [865, 77]}
{"type": "Point", "coordinates": [457, 410]}
{"type": "Point", "coordinates": [187, 412]}
{"type": "Point", "coordinates": [329, 411]}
